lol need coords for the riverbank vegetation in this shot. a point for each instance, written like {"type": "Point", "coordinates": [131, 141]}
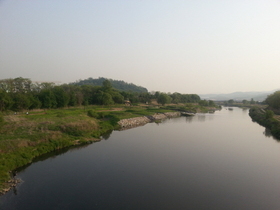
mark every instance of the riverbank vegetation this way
{"type": "Point", "coordinates": [242, 104]}
{"type": "Point", "coordinates": [24, 137]}
{"type": "Point", "coordinates": [22, 94]}
{"type": "Point", "coordinates": [37, 118]}
{"type": "Point", "coordinates": [269, 116]}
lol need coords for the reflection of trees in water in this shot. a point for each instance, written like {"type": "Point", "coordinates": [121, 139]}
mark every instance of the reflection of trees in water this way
{"type": "Point", "coordinates": [50, 155]}
{"type": "Point", "coordinates": [245, 110]}
{"type": "Point", "coordinates": [201, 118]}
{"type": "Point", "coordinates": [189, 119]}
{"type": "Point", "coordinates": [15, 190]}
{"type": "Point", "coordinates": [211, 117]}
{"type": "Point", "coordinates": [107, 135]}
{"type": "Point", "coordinates": [267, 133]}
{"type": "Point", "coordinates": [43, 157]}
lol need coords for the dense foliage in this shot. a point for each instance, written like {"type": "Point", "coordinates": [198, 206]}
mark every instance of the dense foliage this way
{"type": "Point", "coordinates": [266, 119]}
{"type": "Point", "coordinates": [273, 101]}
{"type": "Point", "coordinates": [117, 84]}
{"type": "Point", "coordinates": [22, 94]}
{"type": "Point", "coordinates": [46, 127]}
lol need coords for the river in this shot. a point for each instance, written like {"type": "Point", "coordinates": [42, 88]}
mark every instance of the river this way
{"type": "Point", "coordinates": [209, 161]}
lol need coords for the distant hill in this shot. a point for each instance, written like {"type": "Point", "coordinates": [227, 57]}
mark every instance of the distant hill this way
{"type": "Point", "coordinates": [238, 96]}
{"type": "Point", "coordinates": [117, 84]}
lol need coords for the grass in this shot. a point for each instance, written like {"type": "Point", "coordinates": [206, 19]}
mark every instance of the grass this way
{"type": "Point", "coordinates": [25, 137]}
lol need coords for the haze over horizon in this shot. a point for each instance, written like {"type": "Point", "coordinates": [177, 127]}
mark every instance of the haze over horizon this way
{"type": "Point", "coordinates": [197, 46]}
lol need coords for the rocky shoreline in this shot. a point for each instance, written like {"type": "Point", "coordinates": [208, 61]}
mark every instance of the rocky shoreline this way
{"type": "Point", "coordinates": [9, 185]}
{"type": "Point", "coordinates": [139, 121]}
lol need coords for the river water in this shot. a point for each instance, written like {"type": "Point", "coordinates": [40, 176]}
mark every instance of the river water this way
{"type": "Point", "coordinates": [209, 161]}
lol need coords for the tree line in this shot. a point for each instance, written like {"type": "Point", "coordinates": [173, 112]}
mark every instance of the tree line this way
{"type": "Point", "coordinates": [273, 101]}
{"type": "Point", "coordinates": [22, 94]}
{"type": "Point", "coordinates": [117, 84]}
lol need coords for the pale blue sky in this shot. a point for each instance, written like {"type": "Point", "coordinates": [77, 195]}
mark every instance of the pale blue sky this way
{"type": "Point", "coordinates": [188, 46]}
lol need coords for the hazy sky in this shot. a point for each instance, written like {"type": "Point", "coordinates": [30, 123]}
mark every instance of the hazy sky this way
{"type": "Point", "coordinates": [188, 46]}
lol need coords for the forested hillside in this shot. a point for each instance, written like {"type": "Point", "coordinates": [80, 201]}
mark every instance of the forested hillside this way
{"type": "Point", "coordinates": [22, 94]}
{"type": "Point", "coordinates": [117, 84]}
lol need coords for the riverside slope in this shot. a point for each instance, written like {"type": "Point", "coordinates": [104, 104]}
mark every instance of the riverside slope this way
{"type": "Point", "coordinates": [139, 121]}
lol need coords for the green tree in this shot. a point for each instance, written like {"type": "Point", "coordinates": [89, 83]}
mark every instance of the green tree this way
{"type": "Point", "coordinates": [132, 97]}
{"type": "Point", "coordinates": [86, 91]}
{"type": "Point", "coordinates": [79, 98]}
{"type": "Point", "coordinates": [203, 103]}
{"type": "Point", "coordinates": [176, 98]}
{"type": "Point", "coordinates": [194, 98]}
{"type": "Point", "coordinates": [273, 100]}
{"type": "Point", "coordinates": [47, 99]}
{"type": "Point", "coordinates": [5, 101]}
{"type": "Point", "coordinates": [252, 101]}
{"type": "Point", "coordinates": [163, 99]}
{"type": "Point", "coordinates": [211, 103]}
{"type": "Point", "coordinates": [157, 94]}
{"type": "Point", "coordinates": [269, 114]}
{"type": "Point", "coordinates": [21, 101]}
{"type": "Point", "coordinates": [107, 99]}
{"type": "Point", "coordinates": [117, 97]}
{"type": "Point", "coordinates": [35, 102]}
{"type": "Point", "coordinates": [107, 86]}
{"type": "Point", "coordinates": [61, 97]}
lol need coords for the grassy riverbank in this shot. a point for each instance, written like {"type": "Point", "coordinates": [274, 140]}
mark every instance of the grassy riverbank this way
{"type": "Point", "coordinates": [24, 137]}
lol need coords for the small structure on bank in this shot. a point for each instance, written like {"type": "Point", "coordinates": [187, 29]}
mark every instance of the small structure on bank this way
{"type": "Point", "coordinates": [187, 114]}
{"type": "Point", "coordinates": [127, 103]}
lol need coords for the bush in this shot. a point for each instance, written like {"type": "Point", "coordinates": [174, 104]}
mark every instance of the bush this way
{"type": "Point", "coordinates": [266, 119]}
{"type": "Point", "coordinates": [100, 115]}
{"type": "Point", "coordinates": [269, 114]}
{"type": "Point", "coordinates": [92, 113]}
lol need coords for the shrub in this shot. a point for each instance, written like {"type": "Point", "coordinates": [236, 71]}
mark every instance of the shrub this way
{"type": "Point", "coordinates": [100, 115]}
{"type": "Point", "coordinates": [269, 114]}
{"type": "Point", "coordinates": [92, 113]}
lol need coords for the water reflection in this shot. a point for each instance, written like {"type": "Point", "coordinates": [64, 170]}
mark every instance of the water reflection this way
{"type": "Point", "coordinates": [206, 163]}
{"type": "Point", "coordinates": [200, 117]}
{"type": "Point", "coordinates": [189, 119]}
{"type": "Point", "coordinates": [15, 190]}
{"type": "Point", "coordinates": [50, 155]}
{"type": "Point", "coordinates": [107, 135]}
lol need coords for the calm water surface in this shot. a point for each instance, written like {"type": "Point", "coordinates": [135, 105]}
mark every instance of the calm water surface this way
{"type": "Point", "coordinates": [209, 161]}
